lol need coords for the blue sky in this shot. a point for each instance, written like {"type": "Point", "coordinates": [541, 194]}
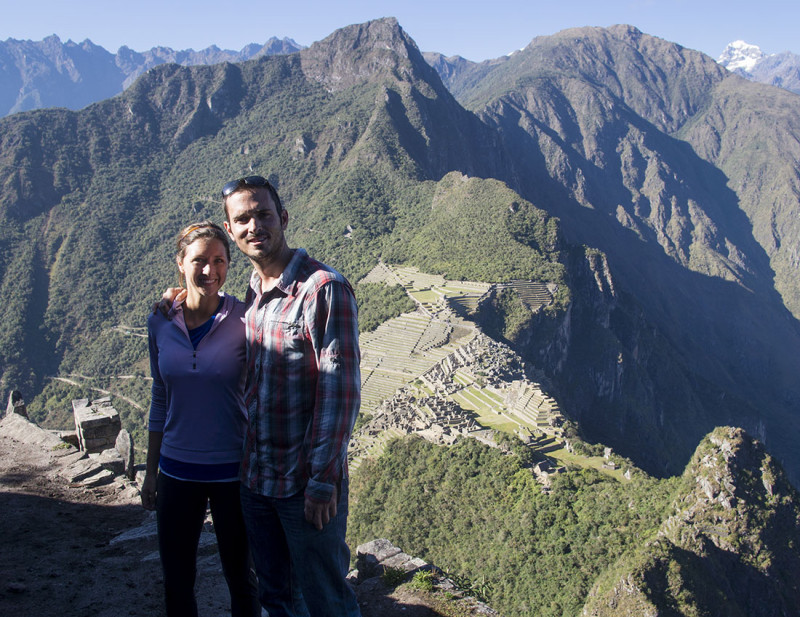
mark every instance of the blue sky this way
{"type": "Point", "coordinates": [475, 30]}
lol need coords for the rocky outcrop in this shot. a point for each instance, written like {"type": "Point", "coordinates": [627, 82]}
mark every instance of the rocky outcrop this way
{"type": "Point", "coordinates": [378, 560]}
{"type": "Point", "coordinates": [360, 53]}
{"type": "Point", "coordinates": [74, 465]}
{"type": "Point", "coordinates": [16, 404]}
{"type": "Point", "coordinates": [116, 563]}
{"type": "Point", "coordinates": [732, 546]}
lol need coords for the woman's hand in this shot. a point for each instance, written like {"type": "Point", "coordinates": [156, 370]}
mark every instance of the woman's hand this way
{"type": "Point", "coordinates": [149, 491]}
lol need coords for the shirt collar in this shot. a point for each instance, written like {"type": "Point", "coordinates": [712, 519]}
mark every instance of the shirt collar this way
{"type": "Point", "coordinates": [287, 282]}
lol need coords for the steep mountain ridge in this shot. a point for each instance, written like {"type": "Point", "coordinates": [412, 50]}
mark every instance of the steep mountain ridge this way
{"type": "Point", "coordinates": [660, 81]}
{"type": "Point", "coordinates": [430, 127]}
{"type": "Point", "coordinates": [729, 548]}
{"type": "Point", "coordinates": [746, 130]}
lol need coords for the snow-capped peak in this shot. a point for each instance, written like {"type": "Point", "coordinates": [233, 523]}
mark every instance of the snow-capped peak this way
{"type": "Point", "coordinates": [740, 55]}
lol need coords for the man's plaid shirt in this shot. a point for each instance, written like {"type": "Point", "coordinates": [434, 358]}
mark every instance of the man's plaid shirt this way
{"type": "Point", "coordinates": [303, 381]}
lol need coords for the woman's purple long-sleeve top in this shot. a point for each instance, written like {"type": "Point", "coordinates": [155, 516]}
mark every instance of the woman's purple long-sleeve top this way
{"type": "Point", "coordinates": [197, 396]}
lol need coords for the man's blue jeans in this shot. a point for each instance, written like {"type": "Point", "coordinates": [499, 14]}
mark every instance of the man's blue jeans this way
{"type": "Point", "coordinates": [290, 552]}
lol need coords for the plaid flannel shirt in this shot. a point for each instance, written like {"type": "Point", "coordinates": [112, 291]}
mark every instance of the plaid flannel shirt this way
{"type": "Point", "coordinates": [303, 381]}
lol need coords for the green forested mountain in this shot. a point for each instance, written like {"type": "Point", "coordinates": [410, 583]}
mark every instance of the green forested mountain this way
{"type": "Point", "coordinates": [719, 540]}
{"type": "Point", "coordinates": [657, 191]}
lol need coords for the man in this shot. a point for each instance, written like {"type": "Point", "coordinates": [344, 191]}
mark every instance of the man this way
{"type": "Point", "coordinates": [302, 396]}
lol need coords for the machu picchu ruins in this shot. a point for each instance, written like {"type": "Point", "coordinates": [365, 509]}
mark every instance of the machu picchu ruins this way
{"type": "Point", "coordinates": [434, 373]}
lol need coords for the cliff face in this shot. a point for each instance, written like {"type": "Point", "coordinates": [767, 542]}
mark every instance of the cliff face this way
{"type": "Point", "coordinates": [621, 379]}
{"type": "Point", "coordinates": [732, 546]}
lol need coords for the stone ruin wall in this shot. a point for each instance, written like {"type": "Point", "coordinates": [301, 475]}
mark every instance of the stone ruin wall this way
{"type": "Point", "coordinates": [98, 452]}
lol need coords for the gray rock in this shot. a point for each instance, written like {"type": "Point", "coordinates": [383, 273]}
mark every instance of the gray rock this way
{"type": "Point", "coordinates": [110, 459]}
{"type": "Point", "coordinates": [81, 470]}
{"type": "Point", "coordinates": [104, 476]}
{"type": "Point", "coordinates": [124, 445]}
{"type": "Point", "coordinates": [375, 556]}
{"type": "Point", "coordinates": [22, 429]}
{"type": "Point", "coordinates": [16, 404]}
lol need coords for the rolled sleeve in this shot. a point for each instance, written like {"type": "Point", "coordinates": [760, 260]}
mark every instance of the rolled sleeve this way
{"type": "Point", "coordinates": [332, 316]}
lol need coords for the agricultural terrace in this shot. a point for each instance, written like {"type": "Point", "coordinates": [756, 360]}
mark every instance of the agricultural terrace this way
{"type": "Point", "coordinates": [433, 373]}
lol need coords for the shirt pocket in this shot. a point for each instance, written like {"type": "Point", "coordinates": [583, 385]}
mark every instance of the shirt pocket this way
{"type": "Point", "coordinates": [288, 348]}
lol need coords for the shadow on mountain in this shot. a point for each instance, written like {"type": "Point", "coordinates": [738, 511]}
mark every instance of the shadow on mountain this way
{"type": "Point", "coordinates": [735, 343]}
{"type": "Point", "coordinates": [715, 583]}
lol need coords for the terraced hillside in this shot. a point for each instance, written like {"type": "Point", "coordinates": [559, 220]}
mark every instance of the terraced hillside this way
{"type": "Point", "coordinates": [434, 373]}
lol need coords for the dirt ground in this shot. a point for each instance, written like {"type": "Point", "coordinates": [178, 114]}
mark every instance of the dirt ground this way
{"type": "Point", "coordinates": [64, 552]}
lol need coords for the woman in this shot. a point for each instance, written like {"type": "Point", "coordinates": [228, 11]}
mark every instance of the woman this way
{"type": "Point", "coordinates": [197, 425]}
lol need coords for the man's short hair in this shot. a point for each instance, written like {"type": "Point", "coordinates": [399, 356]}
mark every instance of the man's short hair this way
{"type": "Point", "coordinates": [250, 184]}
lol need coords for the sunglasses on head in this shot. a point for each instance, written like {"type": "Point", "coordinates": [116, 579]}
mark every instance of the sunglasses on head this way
{"type": "Point", "coordinates": [231, 186]}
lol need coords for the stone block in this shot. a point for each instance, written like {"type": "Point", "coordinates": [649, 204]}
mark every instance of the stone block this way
{"type": "Point", "coordinates": [107, 430]}
{"type": "Point", "coordinates": [404, 562]}
{"type": "Point", "coordinates": [104, 476]}
{"type": "Point", "coordinates": [79, 402]}
{"type": "Point", "coordinates": [97, 425]}
{"type": "Point", "coordinates": [70, 437]}
{"type": "Point", "coordinates": [95, 445]}
{"type": "Point", "coordinates": [124, 445]}
{"type": "Point", "coordinates": [371, 555]}
{"type": "Point", "coordinates": [80, 470]}
{"type": "Point", "coordinates": [111, 460]}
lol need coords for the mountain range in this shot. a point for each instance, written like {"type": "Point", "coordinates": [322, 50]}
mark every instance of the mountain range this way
{"type": "Point", "coordinates": [653, 191]}
{"type": "Point", "coordinates": [51, 73]}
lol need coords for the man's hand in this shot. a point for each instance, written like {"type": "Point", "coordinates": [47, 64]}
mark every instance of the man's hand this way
{"type": "Point", "coordinates": [170, 296]}
{"type": "Point", "coordinates": [149, 492]}
{"type": "Point", "coordinates": [319, 514]}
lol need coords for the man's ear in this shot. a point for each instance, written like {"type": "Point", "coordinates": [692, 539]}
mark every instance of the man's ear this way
{"type": "Point", "coordinates": [228, 229]}
{"type": "Point", "coordinates": [284, 219]}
